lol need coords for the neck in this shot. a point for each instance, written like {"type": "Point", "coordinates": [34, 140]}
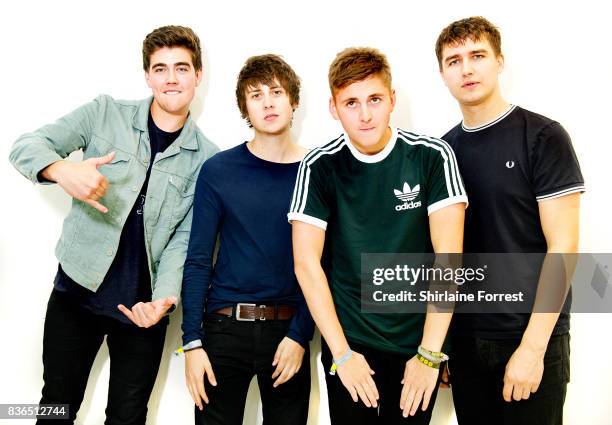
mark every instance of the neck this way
{"type": "Point", "coordinates": [485, 111]}
{"type": "Point", "coordinates": [275, 147]}
{"type": "Point", "coordinates": [382, 143]}
{"type": "Point", "coordinates": [167, 121]}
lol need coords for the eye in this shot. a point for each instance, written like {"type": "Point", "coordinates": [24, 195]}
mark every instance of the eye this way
{"type": "Point", "coordinates": [453, 62]}
{"type": "Point", "coordinates": [351, 103]}
{"type": "Point", "coordinates": [375, 100]}
{"type": "Point", "coordinates": [255, 96]}
{"type": "Point", "coordinates": [182, 69]}
{"type": "Point", "coordinates": [479, 56]}
{"type": "Point", "coordinates": [159, 70]}
{"type": "Point", "coordinates": [278, 92]}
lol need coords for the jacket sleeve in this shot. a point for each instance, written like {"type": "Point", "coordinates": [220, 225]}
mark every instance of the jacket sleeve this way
{"type": "Point", "coordinates": [169, 272]}
{"type": "Point", "coordinates": [33, 152]}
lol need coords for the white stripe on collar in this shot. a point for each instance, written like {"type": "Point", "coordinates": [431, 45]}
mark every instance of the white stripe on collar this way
{"type": "Point", "coordinates": [377, 157]}
{"type": "Point", "coordinates": [489, 124]}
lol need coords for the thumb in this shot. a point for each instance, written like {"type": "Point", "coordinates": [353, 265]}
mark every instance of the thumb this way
{"type": "Point", "coordinates": [101, 160]}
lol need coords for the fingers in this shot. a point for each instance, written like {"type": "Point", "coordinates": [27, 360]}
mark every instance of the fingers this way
{"type": "Point", "coordinates": [194, 394]}
{"type": "Point", "coordinates": [96, 205]}
{"type": "Point", "coordinates": [210, 374]}
{"type": "Point", "coordinates": [285, 375]}
{"type": "Point", "coordinates": [276, 359]}
{"type": "Point", "coordinates": [526, 393]}
{"type": "Point", "coordinates": [103, 159]}
{"type": "Point", "coordinates": [416, 402]}
{"type": "Point", "coordinates": [142, 314]}
{"type": "Point", "coordinates": [507, 392]}
{"type": "Point", "coordinates": [127, 312]}
{"type": "Point", "coordinates": [364, 396]}
{"type": "Point", "coordinates": [426, 400]}
{"type": "Point", "coordinates": [200, 389]}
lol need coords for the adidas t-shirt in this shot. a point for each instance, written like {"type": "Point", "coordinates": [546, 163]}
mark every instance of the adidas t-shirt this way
{"type": "Point", "coordinates": [375, 204]}
{"type": "Point", "coordinates": [508, 166]}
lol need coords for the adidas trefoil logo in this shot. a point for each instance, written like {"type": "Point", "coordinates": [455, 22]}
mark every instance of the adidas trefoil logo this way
{"type": "Point", "coordinates": [407, 196]}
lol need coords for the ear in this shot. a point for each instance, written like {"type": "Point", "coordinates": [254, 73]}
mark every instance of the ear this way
{"type": "Point", "coordinates": [148, 79]}
{"type": "Point", "coordinates": [199, 75]}
{"type": "Point", "coordinates": [392, 99]}
{"type": "Point", "coordinates": [500, 63]}
{"type": "Point", "coordinates": [332, 108]}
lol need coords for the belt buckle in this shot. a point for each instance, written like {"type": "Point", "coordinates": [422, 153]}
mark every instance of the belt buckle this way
{"type": "Point", "coordinates": [238, 307]}
{"type": "Point", "coordinates": [262, 312]}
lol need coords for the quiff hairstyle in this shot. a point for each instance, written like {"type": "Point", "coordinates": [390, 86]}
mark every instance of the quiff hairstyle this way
{"type": "Point", "coordinates": [357, 64]}
{"type": "Point", "coordinates": [267, 70]}
{"type": "Point", "coordinates": [475, 28]}
{"type": "Point", "coordinates": [171, 36]}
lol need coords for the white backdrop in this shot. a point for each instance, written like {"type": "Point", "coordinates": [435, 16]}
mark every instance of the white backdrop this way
{"type": "Point", "coordinates": [57, 55]}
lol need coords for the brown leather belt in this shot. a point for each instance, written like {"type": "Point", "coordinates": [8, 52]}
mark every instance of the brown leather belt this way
{"type": "Point", "coordinates": [252, 312]}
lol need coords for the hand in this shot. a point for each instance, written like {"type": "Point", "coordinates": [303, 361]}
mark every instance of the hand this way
{"type": "Point", "coordinates": [147, 314]}
{"type": "Point", "coordinates": [288, 360]}
{"type": "Point", "coordinates": [523, 373]}
{"type": "Point", "coordinates": [81, 180]}
{"type": "Point", "coordinates": [445, 381]}
{"type": "Point", "coordinates": [197, 365]}
{"type": "Point", "coordinates": [419, 383]}
{"type": "Point", "coordinates": [356, 376]}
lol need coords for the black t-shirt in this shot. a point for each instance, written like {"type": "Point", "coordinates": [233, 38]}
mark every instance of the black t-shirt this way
{"type": "Point", "coordinates": [128, 280]}
{"type": "Point", "coordinates": [508, 166]}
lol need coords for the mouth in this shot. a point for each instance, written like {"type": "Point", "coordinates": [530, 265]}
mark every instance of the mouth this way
{"type": "Point", "coordinates": [365, 129]}
{"type": "Point", "coordinates": [270, 117]}
{"type": "Point", "coordinates": [469, 84]}
{"type": "Point", "coordinates": [172, 92]}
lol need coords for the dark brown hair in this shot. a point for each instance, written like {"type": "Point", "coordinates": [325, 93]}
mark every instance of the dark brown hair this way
{"type": "Point", "coordinates": [475, 28]}
{"type": "Point", "coordinates": [266, 69]}
{"type": "Point", "coordinates": [171, 36]}
{"type": "Point", "coordinates": [357, 64]}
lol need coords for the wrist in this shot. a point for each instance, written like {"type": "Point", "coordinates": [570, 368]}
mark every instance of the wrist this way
{"type": "Point", "coordinates": [53, 171]}
{"type": "Point", "coordinates": [338, 352]}
{"type": "Point", "coordinates": [536, 347]}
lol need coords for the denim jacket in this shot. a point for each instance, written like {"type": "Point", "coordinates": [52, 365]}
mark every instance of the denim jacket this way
{"type": "Point", "coordinates": [89, 238]}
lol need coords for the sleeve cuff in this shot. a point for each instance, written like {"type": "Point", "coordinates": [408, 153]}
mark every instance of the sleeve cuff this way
{"type": "Point", "coordinates": [294, 336]}
{"type": "Point", "coordinates": [307, 219]}
{"type": "Point", "coordinates": [446, 202]}
{"type": "Point", "coordinates": [559, 193]}
{"type": "Point", "coordinates": [197, 343]}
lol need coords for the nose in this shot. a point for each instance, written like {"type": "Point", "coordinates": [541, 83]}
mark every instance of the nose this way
{"type": "Point", "coordinates": [171, 76]}
{"type": "Point", "coordinates": [364, 113]}
{"type": "Point", "coordinates": [267, 101]}
{"type": "Point", "coordinates": [466, 67]}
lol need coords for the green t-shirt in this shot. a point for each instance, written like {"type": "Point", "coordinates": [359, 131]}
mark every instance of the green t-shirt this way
{"type": "Point", "coordinates": [375, 204]}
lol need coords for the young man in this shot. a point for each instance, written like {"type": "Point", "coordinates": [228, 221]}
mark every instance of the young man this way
{"type": "Point", "coordinates": [125, 239]}
{"type": "Point", "coordinates": [345, 201]}
{"type": "Point", "coordinates": [524, 183]}
{"type": "Point", "coordinates": [245, 315]}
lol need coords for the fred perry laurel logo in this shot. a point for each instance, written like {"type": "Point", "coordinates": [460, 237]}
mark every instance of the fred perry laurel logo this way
{"type": "Point", "coordinates": [510, 164]}
{"type": "Point", "coordinates": [407, 196]}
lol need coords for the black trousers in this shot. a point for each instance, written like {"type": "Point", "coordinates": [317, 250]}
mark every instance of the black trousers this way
{"type": "Point", "coordinates": [389, 370]}
{"type": "Point", "coordinates": [72, 338]}
{"type": "Point", "coordinates": [477, 368]}
{"type": "Point", "coordinates": [240, 350]}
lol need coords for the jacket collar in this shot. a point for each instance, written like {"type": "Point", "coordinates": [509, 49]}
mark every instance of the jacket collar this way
{"type": "Point", "coordinates": [186, 140]}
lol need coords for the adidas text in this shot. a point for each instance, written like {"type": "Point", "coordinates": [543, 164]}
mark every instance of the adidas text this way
{"type": "Point", "coordinates": [408, 206]}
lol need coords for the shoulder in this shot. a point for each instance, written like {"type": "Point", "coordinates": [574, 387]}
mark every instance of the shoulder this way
{"type": "Point", "coordinates": [451, 135]}
{"type": "Point", "coordinates": [320, 156]}
{"type": "Point", "coordinates": [204, 143]}
{"type": "Point", "coordinates": [539, 127]}
{"type": "Point", "coordinates": [420, 142]}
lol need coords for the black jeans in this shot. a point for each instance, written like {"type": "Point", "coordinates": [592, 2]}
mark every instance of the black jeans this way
{"type": "Point", "coordinates": [477, 368]}
{"type": "Point", "coordinates": [389, 370]}
{"type": "Point", "coordinates": [72, 338]}
{"type": "Point", "coordinates": [240, 350]}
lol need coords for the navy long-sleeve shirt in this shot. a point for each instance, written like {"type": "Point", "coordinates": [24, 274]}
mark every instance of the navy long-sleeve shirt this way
{"type": "Point", "coordinates": [244, 200]}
